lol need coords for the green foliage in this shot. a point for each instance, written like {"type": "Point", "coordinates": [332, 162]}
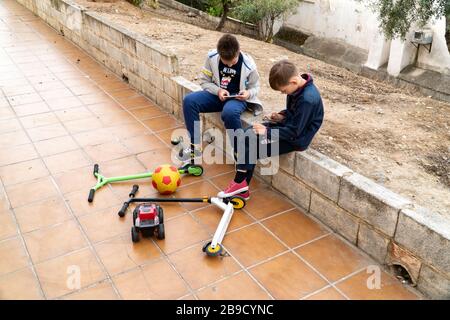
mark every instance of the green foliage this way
{"type": "Point", "coordinates": [214, 7]}
{"type": "Point", "coordinates": [137, 3]}
{"type": "Point", "coordinates": [264, 13]}
{"type": "Point", "coordinates": [397, 17]}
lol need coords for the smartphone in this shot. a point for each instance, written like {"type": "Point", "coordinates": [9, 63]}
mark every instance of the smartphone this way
{"type": "Point", "coordinates": [232, 96]}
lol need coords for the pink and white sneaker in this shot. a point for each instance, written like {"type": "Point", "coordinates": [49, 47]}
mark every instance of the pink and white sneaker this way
{"type": "Point", "coordinates": [233, 189]}
{"type": "Point", "coordinates": [245, 195]}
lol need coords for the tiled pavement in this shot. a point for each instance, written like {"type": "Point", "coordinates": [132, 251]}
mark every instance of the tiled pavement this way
{"type": "Point", "coordinates": [61, 112]}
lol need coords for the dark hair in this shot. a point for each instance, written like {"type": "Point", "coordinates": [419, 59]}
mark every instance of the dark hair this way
{"type": "Point", "coordinates": [228, 47]}
{"type": "Point", "coordinates": [281, 73]}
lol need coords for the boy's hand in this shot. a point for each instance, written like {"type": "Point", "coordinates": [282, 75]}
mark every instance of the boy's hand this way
{"type": "Point", "coordinates": [243, 95]}
{"type": "Point", "coordinates": [276, 117]}
{"type": "Point", "coordinates": [222, 94]}
{"type": "Point", "coordinates": [260, 129]}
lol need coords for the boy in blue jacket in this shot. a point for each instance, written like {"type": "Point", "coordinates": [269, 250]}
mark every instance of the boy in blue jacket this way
{"type": "Point", "coordinates": [289, 130]}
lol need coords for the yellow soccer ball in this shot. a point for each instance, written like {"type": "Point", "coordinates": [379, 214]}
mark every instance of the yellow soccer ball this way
{"type": "Point", "coordinates": [166, 179]}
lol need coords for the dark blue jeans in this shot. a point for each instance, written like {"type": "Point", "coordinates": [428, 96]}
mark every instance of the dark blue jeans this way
{"type": "Point", "coordinates": [257, 147]}
{"type": "Point", "coordinates": [203, 102]}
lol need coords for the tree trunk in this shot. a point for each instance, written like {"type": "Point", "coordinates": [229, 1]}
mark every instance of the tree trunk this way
{"type": "Point", "coordinates": [226, 9]}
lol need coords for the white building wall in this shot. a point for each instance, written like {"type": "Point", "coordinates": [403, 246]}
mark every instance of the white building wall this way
{"type": "Point", "coordinates": [439, 57]}
{"type": "Point", "coordinates": [347, 20]}
{"type": "Point", "coordinates": [353, 22]}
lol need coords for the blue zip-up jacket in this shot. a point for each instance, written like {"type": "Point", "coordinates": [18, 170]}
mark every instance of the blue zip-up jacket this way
{"type": "Point", "coordinates": [303, 116]}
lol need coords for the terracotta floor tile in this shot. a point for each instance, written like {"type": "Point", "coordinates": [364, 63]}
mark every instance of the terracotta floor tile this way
{"type": "Point", "coordinates": [6, 113]}
{"type": "Point", "coordinates": [147, 112]}
{"type": "Point", "coordinates": [12, 139]}
{"type": "Point", "coordinates": [64, 103]}
{"type": "Point", "coordinates": [200, 270]}
{"type": "Point", "coordinates": [113, 86]}
{"type": "Point", "coordinates": [120, 167]}
{"type": "Point", "coordinates": [66, 161]}
{"type": "Point", "coordinates": [28, 192]}
{"type": "Point", "coordinates": [327, 294]}
{"type": "Point", "coordinates": [294, 228]}
{"type": "Point", "coordinates": [128, 130]}
{"type": "Point", "coordinates": [154, 158]}
{"type": "Point", "coordinates": [125, 93]}
{"type": "Point", "coordinates": [154, 281]}
{"type": "Point", "coordinates": [47, 85]}
{"type": "Point", "coordinates": [47, 243]}
{"type": "Point", "coordinates": [94, 98]}
{"type": "Point", "coordinates": [37, 120]}
{"type": "Point", "coordinates": [31, 109]}
{"type": "Point", "coordinates": [237, 287]}
{"type": "Point", "coordinates": [18, 90]}
{"type": "Point", "coordinates": [82, 125]}
{"type": "Point", "coordinates": [356, 287]}
{"type": "Point", "coordinates": [55, 145]}
{"type": "Point", "coordinates": [107, 151]}
{"type": "Point", "coordinates": [8, 227]}
{"type": "Point", "coordinates": [161, 123]}
{"type": "Point", "coordinates": [120, 254]}
{"type": "Point", "coordinates": [76, 113]}
{"type": "Point", "coordinates": [56, 94]}
{"type": "Point", "coordinates": [135, 102]}
{"type": "Point", "coordinates": [20, 285]}
{"type": "Point", "coordinates": [80, 179]}
{"type": "Point", "coordinates": [265, 202]}
{"type": "Point", "coordinates": [94, 137]}
{"type": "Point", "coordinates": [116, 118]}
{"type": "Point", "coordinates": [23, 171]}
{"type": "Point", "coordinates": [9, 125]}
{"type": "Point", "coordinates": [169, 134]}
{"type": "Point", "coordinates": [54, 274]}
{"type": "Point", "coordinates": [46, 132]}
{"type": "Point", "coordinates": [211, 215]}
{"type": "Point", "coordinates": [105, 224]}
{"type": "Point", "coordinates": [28, 98]}
{"type": "Point", "coordinates": [182, 232]}
{"type": "Point", "coordinates": [84, 89]}
{"type": "Point", "coordinates": [188, 297]}
{"type": "Point", "coordinates": [104, 198]}
{"type": "Point", "coordinates": [42, 214]}
{"type": "Point", "coordinates": [139, 144]}
{"type": "Point", "coordinates": [212, 170]}
{"type": "Point", "coordinates": [14, 256]}
{"type": "Point", "coordinates": [223, 180]}
{"type": "Point", "coordinates": [102, 291]}
{"type": "Point", "coordinates": [17, 154]}
{"type": "Point", "coordinates": [102, 108]}
{"type": "Point", "coordinates": [252, 245]}
{"type": "Point", "coordinates": [196, 190]}
{"type": "Point", "coordinates": [333, 257]}
{"type": "Point", "coordinates": [287, 277]}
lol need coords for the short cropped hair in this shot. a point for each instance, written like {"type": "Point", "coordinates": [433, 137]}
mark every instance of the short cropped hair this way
{"type": "Point", "coordinates": [280, 74]}
{"type": "Point", "coordinates": [228, 47]}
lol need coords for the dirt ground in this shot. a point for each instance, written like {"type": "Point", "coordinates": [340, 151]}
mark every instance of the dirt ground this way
{"type": "Point", "coordinates": [393, 136]}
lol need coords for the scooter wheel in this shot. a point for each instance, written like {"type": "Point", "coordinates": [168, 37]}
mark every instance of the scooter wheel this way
{"type": "Point", "coordinates": [238, 202]}
{"type": "Point", "coordinates": [212, 252]}
{"type": "Point", "coordinates": [195, 170]}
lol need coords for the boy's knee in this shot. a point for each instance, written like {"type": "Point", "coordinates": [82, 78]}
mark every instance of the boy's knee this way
{"type": "Point", "coordinates": [230, 114]}
{"type": "Point", "coordinates": [189, 101]}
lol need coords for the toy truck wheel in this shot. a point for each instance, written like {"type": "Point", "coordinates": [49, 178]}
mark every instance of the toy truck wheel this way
{"type": "Point", "coordinates": [160, 215]}
{"type": "Point", "coordinates": [195, 170]}
{"type": "Point", "coordinates": [160, 233]}
{"type": "Point", "coordinates": [134, 235]}
{"type": "Point", "coordinates": [135, 215]}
